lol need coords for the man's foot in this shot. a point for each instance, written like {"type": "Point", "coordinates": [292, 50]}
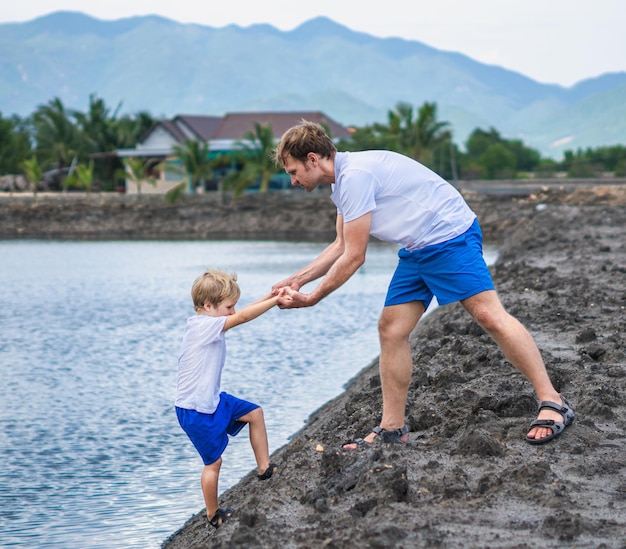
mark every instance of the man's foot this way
{"type": "Point", "coordinates": [551, 421]}
{"type": "Point", "coordinates": [394, 436]}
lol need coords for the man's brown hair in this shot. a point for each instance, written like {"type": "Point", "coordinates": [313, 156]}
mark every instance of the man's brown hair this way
{"type": "Point", "coordinates": [302, 139]}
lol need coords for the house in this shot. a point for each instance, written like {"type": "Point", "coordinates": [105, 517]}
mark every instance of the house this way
{"type": "Point", "coordinates": [223, 135]}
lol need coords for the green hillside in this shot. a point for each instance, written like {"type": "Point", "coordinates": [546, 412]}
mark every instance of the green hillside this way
{"type": "Point", "coordinates": [151, 63]}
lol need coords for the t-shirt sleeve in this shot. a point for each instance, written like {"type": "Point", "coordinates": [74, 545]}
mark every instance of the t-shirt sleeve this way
{"type": "Point", "coordinates": [356, 195]}
{"type": "Point", "coordinates": [211, 328]}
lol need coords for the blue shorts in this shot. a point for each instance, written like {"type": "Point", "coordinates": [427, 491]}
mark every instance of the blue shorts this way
{"type": "Point", "coordinates": [452, 271]}
{"type": "Point", "coordinates": [209, 432]}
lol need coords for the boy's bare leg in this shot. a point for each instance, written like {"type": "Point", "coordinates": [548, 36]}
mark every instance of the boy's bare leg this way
{"type": "Point", "coordinates": [518, 347]}
{"type": "Point", "coordinates": [209, 480]}
{"type": "Point", "coordinates": [258, 438]}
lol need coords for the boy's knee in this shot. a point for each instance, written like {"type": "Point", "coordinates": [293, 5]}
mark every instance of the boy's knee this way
{"type": "Point", "coordinates": [255, 415]}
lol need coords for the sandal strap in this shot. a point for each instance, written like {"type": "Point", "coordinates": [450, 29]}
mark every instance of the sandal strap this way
{"type": "Point", "coordinates": [401, 431]}
{"type": "Point", "coordinates": [546, 423]}
{"type": "Point", "coordinates": [394, 435]}
{"type": "Point", "coordinates": [564, 409]}
{"type": "Point", "coordinates": [560, 408]}
{"type": "Point", "coordinates": [556, 427]}
{"type": "Point", "coordinates": [220, 517]}
{"type": "Point", "coordinates": [267, 474]}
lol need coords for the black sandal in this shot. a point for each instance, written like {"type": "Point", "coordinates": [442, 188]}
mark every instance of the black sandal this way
{"type": "Point", "coordinates": [220, 517]}
{"type": "Point", "coordinates": [394, 436]}
{"type": "Point", "coordinates": [267, 474]}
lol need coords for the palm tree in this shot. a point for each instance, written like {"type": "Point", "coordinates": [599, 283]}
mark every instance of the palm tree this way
{"type": "Point", "coordinates": [102, 131]}
{"type": "Point", "coordinates": [419, 137]}
{"type": "Point", "coordinates": [256, 160]}
{"type": "Point", "coordinates": [82, 177]}
{"type": "Point", "coordinates": [196, 164]}
{"type": "Point", "coordinates": [98, 126]}
{"type": "Point", "coordinates": [32, 172]}
{"type": "Point", "coordinates": [129, 129]}
{"type": "Point", "coordinates": [135, 169]}
{"type": "Point", "coordinates": [99, 135]}
{"type": "Point", "coordinates": [55, 135]}
{"type": "Point", "coordinates": [15, 143]}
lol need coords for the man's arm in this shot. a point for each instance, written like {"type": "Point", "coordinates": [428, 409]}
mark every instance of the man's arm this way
{"type": "Point", "coordinates": [355, 238]}
{"type": "Point", "coordinates": [250, 312]}
{"type": "Point", "coordinates": [319, 266]}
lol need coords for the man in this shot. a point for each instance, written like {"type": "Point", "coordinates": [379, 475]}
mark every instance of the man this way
{"type": "Point", "coordinates": [396, 199]}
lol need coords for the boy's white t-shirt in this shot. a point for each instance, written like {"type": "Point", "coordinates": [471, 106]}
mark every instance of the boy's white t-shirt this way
{"type": "Point", "coordinates": [411, 205]}
{"type": "Point", "coordinates": [200, 364]}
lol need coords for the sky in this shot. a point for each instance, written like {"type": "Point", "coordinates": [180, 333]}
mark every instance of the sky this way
{"type": "Point", "coordinates": [551, 41]}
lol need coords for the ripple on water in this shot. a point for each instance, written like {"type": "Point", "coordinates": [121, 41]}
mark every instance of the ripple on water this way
{"type": "Point", "coordinates": [92, 453]}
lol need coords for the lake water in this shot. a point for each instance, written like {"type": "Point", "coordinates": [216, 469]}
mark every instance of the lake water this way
{"type": "Point", "coordinates": [92, 454]}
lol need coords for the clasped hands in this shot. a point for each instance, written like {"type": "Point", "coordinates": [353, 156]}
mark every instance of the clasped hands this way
{"type": "Point", "coordinates": [289, 296]}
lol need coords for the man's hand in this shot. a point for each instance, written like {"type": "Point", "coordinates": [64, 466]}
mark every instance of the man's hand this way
{"type": "Point", "coordinates": [287, 283]}
{"type": "Point", "coordinates": [292, 299]}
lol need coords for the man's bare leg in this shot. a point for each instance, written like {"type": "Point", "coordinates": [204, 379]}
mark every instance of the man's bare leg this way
{"type": "Point", "coordinates": [395, 326]}
{"type": "Point", "coordinates": [518, 347]}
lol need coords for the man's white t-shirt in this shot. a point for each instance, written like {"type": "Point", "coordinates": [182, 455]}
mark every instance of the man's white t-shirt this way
{"type": "Point", "coordinates": [200, 364]}
{"type": "Point", "coordinates": [410, 204]}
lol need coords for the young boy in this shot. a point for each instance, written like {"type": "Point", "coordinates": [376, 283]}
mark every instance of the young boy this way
{"type": "Point", "coordinates": [207, 415]}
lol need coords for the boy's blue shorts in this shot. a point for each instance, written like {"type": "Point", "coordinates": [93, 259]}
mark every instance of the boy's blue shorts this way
{"type": "Point", "coordinates": [209, 432]}
{"type": "Point", "coordinates": [452, 271]}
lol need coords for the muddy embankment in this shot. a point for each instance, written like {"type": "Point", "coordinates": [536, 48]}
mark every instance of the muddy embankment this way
{"type": "Point", "coordinates": [466, 478]}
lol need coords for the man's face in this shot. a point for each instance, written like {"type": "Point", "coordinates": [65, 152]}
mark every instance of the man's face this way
{"type": "Point", "coordinates": [303, 174]}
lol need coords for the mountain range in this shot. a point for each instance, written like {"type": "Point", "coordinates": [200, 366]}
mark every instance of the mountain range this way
{"type": "Point", "coordinates": [154, 64]}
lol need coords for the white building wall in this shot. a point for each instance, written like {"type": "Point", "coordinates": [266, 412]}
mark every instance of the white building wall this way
{"type": "Point", "coordinates": [158, 139]}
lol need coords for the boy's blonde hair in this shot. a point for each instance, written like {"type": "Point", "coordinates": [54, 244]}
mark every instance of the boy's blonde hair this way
{"type": "Point", "coordinates": [213, 287]}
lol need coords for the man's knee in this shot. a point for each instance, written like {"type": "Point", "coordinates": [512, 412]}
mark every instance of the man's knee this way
{"type": "Point", "coordinates": [393, 328]}
{"type": "Point", "coordinates": [493, 320]}
{"type": "Point", "coordinates": [487, 310]}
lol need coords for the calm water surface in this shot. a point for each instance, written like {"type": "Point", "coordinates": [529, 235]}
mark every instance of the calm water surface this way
{"type": "Point", "coordinates": [92, 455]}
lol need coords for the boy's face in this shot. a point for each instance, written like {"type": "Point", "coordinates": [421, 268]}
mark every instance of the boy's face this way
{"type": "Point", "coordinates": [225, 308]}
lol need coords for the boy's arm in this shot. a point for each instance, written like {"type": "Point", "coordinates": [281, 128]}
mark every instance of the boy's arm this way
{"type": "Point", "coordinates": [250, 312]}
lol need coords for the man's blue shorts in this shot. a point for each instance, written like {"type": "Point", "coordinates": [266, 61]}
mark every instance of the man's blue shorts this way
{"type": "Point", "coordinates": [452, 271]}
{"type": "Point", "coordinates": [209, 432]}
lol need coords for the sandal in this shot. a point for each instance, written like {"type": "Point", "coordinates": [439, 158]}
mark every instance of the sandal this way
{"type": "Point", "coordinates": [220, 517]}
{"type": "Point", "coordinates": [394, 436]}
{"type": "Point", "coordinates": [268, 472]}
{"type": "Point", "coordinates": [557, 427]}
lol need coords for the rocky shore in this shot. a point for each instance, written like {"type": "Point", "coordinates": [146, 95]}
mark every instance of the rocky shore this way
{"type": "Point", "coordinates": [290, 215]}
{"type": "Point", "coordinates": [466, 478]}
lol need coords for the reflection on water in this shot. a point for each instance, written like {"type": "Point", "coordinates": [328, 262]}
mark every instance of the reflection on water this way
{"type": "Point", "coordinates": [92, 455]}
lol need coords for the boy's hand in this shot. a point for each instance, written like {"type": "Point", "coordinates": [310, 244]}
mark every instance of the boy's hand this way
{"type": "Point", "coordinates": [292, 299]}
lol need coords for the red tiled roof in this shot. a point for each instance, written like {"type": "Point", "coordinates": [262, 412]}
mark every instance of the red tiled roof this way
{"type": "Point", "coordinates": [235, 125]}
{"type": "Point", "coordinates": [171, 127]}
{"type": "Point", "coordinates": [203, 126]}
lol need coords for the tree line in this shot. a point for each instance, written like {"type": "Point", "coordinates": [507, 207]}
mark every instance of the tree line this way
{"type": "Point", "coordinates": [57, 148]}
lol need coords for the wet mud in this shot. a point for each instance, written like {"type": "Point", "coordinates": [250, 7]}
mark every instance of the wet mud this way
{"type": "Point", "coordinates": [467, 478]}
